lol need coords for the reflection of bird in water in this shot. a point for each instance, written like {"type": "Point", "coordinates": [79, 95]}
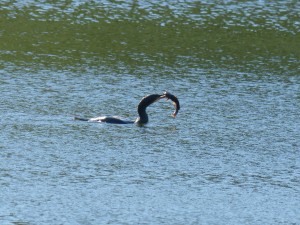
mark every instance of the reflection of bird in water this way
{"type": "Point", "coordinates": [143, 116]}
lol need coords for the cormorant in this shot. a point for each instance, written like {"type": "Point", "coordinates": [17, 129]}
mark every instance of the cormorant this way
{"type": "Point", "coordinates": [143, 116]}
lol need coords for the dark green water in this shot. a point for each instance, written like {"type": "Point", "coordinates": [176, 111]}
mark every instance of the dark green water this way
{"type": "Point", "coordinates": [249, 36]}
{"type": "Point", "coordinates": [230, 157]}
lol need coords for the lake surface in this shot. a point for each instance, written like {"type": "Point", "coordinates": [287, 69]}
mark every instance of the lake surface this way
{"type": "Point", "coordinates": [231, 156]}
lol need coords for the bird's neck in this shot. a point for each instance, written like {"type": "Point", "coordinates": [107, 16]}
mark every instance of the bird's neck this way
{"type": "Point", "coordinates": [143, 117]}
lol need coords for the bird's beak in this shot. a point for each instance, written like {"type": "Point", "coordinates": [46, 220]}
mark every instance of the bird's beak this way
{"type": "Point", "coordinates": [164, 95]}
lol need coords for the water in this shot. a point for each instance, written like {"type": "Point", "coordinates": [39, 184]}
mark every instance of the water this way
{"type": "Point", "coordinates": [230, 157]}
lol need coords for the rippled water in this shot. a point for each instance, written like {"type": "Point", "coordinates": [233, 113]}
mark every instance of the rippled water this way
{"type": "Point", "coordinates": [230, 157]}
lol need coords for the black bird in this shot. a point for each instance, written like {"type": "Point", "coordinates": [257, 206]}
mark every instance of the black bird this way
{"type": "Point", "coordinates": [143, 116]}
